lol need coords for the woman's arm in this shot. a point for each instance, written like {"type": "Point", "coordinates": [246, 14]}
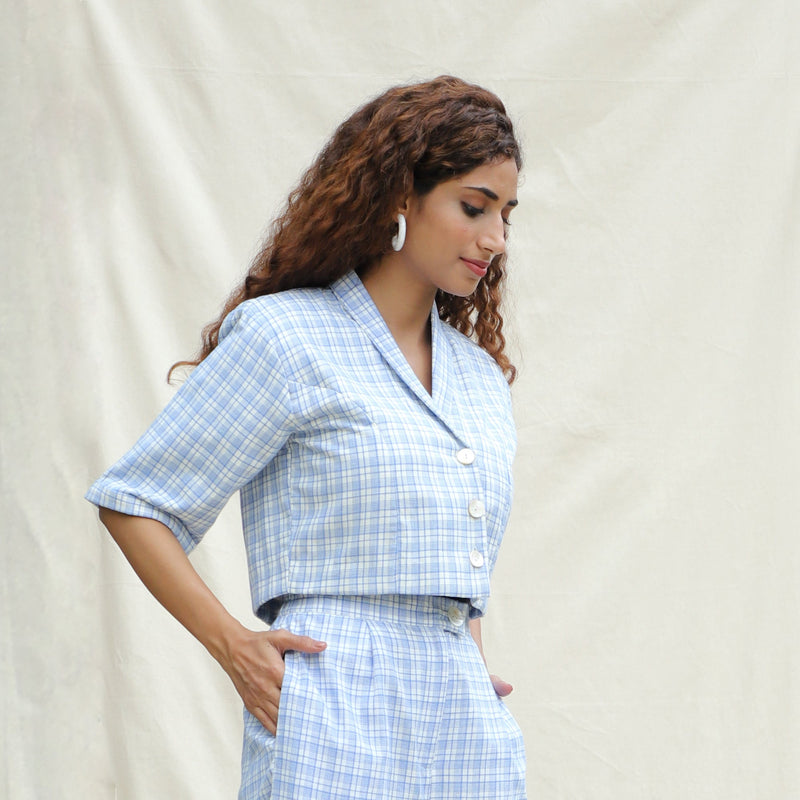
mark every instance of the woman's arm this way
{"type": "Point", "coordinates": [252, 659]}
{"type": "Point", "coordinates": [501, 687]}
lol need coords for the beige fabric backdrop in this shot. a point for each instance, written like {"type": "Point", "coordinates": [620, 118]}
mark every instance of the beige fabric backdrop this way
{"type": "Point", "coordinates": [646, 604]}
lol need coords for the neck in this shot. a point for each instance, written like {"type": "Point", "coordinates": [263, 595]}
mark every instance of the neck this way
{"type": "Point", "coordinates": [404, 304]}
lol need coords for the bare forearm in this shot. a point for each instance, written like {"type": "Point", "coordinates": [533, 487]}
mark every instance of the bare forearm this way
{"type": "Point", "coordinates": [252, 659]}
{"type": "Point", "coordinates": [475, 630]}
{"type": "Point", "coordinates": [158, 559]}
{"type": "Point", "coordinates": [501, 687]}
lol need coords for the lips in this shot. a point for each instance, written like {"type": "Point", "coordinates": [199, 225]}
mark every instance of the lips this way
{"type": "Point", "coordinates": [478, 267]}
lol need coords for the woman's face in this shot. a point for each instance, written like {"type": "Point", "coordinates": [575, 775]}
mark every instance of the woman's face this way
{"type": "Point", "coordinates": [455, 230]}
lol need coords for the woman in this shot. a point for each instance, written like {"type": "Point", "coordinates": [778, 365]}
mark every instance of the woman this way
{"type": "Point", "coordinates": [371, 441]}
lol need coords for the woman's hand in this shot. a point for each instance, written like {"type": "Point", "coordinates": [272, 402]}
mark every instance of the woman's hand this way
{"type": "Point", "coordinates": [501, 688]}
{"type": "Point", "coordinates": [254, 662]}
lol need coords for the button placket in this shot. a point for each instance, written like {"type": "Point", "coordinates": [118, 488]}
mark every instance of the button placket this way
{"type": "Point", "coordinates": [475, 508]}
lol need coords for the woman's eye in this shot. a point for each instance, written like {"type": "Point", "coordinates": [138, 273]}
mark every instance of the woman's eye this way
{"type": "Point", "coordinates": [471, 211]}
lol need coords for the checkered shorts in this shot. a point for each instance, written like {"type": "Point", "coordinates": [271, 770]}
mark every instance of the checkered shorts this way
{"type": "Point", "coordinates": [398, 706]}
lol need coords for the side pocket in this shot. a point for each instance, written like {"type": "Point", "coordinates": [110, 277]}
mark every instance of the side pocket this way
{"type": "Point", "coordinates": [282, 766]}
{"type": "Point", "coordinates": [286, 688]}
{"type": "Point", "coordinates": [258, 754]}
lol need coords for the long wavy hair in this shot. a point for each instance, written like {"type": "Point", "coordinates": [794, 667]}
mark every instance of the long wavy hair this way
{"type": "Point", "coordinates": [341, 214]}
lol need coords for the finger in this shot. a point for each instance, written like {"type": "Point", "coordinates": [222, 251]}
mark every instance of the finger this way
{"type": "Point", "coordinates": [267, 719]}
{"type": "Point", "coordinates": [502, 688]}
{"type": "Point", "coordinates": [270, 724]}
{"type": "Point", "coordinates": [266, 696]}
{"type": "Point", "coordinates": [286, 640]}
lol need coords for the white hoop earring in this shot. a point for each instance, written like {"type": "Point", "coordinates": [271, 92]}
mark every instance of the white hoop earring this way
{"type": "Point", "coordinates": [399, 239]}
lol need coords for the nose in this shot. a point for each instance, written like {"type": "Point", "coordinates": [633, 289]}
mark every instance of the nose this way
{"type": "Point", "coordinates": [493, 236]}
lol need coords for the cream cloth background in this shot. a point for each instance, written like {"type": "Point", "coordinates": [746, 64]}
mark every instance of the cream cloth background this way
{"type": "Point", "coordinates": [646, 604]}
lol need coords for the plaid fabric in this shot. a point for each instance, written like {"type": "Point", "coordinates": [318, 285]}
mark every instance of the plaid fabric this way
{"type": "Point", "coordinates": [398, 706]}
{"type": "Point", "coordinates": [353, 480]}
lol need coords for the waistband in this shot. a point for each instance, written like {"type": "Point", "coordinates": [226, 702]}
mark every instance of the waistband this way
{"type": "Point", "coordinates": [449, 613]}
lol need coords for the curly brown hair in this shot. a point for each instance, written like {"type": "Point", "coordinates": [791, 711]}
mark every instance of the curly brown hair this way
{"type": "Point", "coordinates": [340, 216]}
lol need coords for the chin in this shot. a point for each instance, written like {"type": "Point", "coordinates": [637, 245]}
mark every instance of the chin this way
{"type": "Point", "coordinates": [462, 289]}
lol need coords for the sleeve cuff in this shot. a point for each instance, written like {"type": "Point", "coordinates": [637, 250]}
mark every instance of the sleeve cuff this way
{"type": "Point", "coordinates": [136, 507]}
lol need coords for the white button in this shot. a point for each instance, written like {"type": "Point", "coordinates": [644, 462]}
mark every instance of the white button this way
{"type": "Point", "coordinates": [465, 456]}
{"type": "Point", "coordinates": [455, 615]}
{"type": "Point", "coordinates": [476, 558]}
{"type": "Point", "coordinates": [476, 509]}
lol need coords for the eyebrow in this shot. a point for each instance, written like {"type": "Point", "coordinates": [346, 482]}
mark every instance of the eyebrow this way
{"type": "Point", "coordinates": [491, 195]}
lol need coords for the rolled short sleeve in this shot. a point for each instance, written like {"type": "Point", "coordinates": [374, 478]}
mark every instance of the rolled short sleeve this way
{"type": "Point", "coordinates": [224, 425]}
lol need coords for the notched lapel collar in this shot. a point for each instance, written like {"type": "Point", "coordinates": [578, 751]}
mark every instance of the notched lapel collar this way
{"type": "Point", "coordinates": [359, 305]}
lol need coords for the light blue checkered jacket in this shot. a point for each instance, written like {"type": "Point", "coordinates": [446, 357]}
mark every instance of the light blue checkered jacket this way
{"type": "Point", "coordinates": [353, 480]}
